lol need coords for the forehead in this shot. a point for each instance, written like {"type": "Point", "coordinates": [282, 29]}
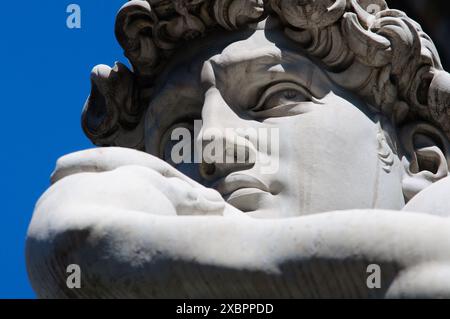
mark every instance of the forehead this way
{"type": "Point", "coordinates": [228, 56]}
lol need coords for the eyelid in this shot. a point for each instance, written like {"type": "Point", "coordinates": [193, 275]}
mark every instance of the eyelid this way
{"type": "Point", "coordinates": [278, 87]}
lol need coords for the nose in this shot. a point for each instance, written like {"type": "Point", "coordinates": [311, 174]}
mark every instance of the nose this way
{"type": "Point", "coordinates": [227, 141]}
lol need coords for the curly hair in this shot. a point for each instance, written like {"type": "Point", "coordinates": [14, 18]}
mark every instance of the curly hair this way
{"type": "Point", "coordinates": [367, 48]}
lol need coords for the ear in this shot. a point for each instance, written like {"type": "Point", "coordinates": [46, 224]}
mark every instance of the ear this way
{"type": "Point", "coordinates": [425, 157]}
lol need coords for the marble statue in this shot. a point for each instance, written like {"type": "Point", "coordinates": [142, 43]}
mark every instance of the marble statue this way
{"type": "Point", "coordinates": [360, 103]}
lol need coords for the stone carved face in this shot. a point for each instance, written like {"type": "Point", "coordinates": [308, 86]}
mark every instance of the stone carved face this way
{"type": "Point", "coordinates": [334, 153]}
{"type": "Point", "coordinates": [329, 141]}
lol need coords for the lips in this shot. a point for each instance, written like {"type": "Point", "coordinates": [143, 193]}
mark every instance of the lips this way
{"type": "Point", "coordinates": [237, 182]}
{"type": "Point", "coordinates": [243, 191]}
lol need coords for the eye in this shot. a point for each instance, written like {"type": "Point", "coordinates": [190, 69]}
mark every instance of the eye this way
{"type": "Point", "coordinates": [172, 137]}
{"type": "Point", "coordinates": [181, 138]}
{"type": "Point", "coordinates": [282, 94]}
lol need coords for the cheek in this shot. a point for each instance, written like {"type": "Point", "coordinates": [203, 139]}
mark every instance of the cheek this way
{"type": "Point", "coordinates": [330, 134]}
{"type": "Point", "coordinates": [329, 156]}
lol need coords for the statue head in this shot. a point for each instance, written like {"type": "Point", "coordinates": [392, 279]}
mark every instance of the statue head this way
{"type": "Point", "coordinates": [347, 99]}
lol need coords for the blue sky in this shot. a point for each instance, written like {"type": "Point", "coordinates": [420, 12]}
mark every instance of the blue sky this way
{"type": "Point", "coordinates": [44, 83]}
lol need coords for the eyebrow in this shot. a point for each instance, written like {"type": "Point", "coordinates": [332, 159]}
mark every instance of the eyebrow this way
{"type": "Point", "coordinates": [268, 55]}
{"type": "Point", "coordinates": [277, 64]}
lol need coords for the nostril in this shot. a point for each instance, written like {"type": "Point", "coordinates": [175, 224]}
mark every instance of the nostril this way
{"type": "Point", "coordinates": [207, 171]}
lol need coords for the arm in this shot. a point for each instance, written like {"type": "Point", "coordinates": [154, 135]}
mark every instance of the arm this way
{"type": "Point", "coordinates": [130, 241]}
{"type": "Point", "coordinates": [131, 180]}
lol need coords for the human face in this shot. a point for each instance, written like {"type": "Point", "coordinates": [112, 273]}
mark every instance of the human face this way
{"type": "Point", "coordinates": [329, 145]}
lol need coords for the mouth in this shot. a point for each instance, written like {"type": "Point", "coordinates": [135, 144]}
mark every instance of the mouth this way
{"type": "Point", "coordinates": [243, 191]}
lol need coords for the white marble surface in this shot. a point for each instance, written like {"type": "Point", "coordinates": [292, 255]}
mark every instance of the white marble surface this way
{"type": "Point", "coordinates": [114, 212]}
{"type": "Point", "coordinates": [360, 102]}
